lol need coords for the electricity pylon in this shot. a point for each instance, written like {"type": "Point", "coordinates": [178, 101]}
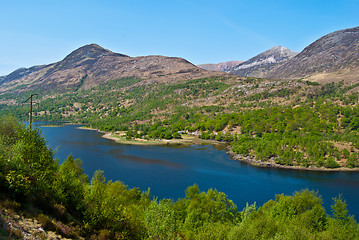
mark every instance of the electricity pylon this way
{"type": "Point", "coordinates": [30, 112]}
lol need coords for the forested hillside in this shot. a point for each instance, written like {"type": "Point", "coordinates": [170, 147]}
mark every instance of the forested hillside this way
{"type": "Point", "coordinates": [289, 123]}
{"type": "Point", "coordinates": [63, 199]}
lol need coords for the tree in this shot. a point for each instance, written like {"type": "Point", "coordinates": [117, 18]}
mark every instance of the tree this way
{"type": "Point", "coordinates": [210, 207]}
{"type": "Point", "coordinates": [354, 123]}
{"type": "Point", "coordinates": [339, 208]}
{"type": "Point", "coordinates": [331, 163]}
{"type": "Point", "coordinates": [93, 200]}
{"type": "Point", "coordinates": [160, 220]}
{"type": "Point", "coordinates": [32, 168]}
{"type": "Point", "coordinates": [70, 185]}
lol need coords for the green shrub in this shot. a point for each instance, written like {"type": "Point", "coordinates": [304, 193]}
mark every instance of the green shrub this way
{"type": "Point", "coordinates": [331, 163]}
{"type": "Point", "coordinates": [46, 222]}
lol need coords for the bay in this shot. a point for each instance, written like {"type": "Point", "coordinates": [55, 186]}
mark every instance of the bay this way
{"type": "Point", "coordinates": [168, 171]}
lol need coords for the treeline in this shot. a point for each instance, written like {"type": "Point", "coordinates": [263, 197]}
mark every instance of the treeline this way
{"type": "Point", "coordinates": [63, 199]}
{"type": "Point", "coordinates": [319, 134]}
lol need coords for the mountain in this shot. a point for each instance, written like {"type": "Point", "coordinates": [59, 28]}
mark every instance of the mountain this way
{"type": "Point", "coordinates": [19, 73]}
{"type": "Point", "coordinates": [333, 57]}
{"type": "Point", "coordinates": [223, 67]}
{"type": "Point", "coordinates": [92, 65]}
{"type": "Point", "coordinates": [259, 65]}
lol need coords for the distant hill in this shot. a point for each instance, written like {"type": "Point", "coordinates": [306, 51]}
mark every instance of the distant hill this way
{"type": "Point", "coordinates": [19, 73]}
{"type": "Point", "coordinates": [223, 67]}
{"type": "Point", "coordinates": [333, 57]}
{"type": "Point", "coordinates": [259, 65]}
{"type": "Point", "coordinates": [92, 65]}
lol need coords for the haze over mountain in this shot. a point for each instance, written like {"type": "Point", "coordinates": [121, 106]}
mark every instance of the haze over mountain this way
{"type": "Point", "coordinates": [333, 57]}
{"type": "Point", "coordinates": [259, 65]}
{"type": "Point", "coordinates": [223, 67]}
{"type": "Point", "coordinates": [91, 65]}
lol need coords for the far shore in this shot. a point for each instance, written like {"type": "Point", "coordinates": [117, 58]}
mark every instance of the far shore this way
{"type": "Point", "coordinates": [271, 164]}
{"type": "Point", "coordinates": [188, 139]}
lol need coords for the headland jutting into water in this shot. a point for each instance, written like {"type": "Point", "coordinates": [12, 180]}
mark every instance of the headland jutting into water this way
{"type": "Point", "coordinates": [189, 139]}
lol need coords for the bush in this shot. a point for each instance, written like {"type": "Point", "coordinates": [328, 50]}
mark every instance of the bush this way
{"type": "Point", "coordinates": [331, 163]}
{"type": "Point", "coordinates": [46, 222]}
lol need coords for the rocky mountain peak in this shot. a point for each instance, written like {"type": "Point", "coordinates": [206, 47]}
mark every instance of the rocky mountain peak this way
{"type": "Point", "coordinates": [263, 62]}
{"type": "Point", "coordinates": [91, 51]}
{"type": "Point", "coordinates": [275, 54]}
{"type": "Point", "coordinates": [279, 51]}
{"type": "Point", "coordinates": [87, 54]}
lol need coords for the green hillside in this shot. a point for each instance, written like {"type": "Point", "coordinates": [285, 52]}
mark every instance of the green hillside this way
{"type": "Point", "coordinates": [284, 123]}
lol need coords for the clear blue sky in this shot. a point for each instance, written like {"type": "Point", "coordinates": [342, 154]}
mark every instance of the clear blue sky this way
{"type": "Point", "coordinates": [41, 32]}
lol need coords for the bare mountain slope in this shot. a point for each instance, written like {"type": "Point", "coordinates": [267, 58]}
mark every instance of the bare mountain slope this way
{"type": "Point", "coordinates": [19, 73]}
{"type": "Point", "coordinates": [332, 57]}
{"type": "Point", "coordinates": [91, 65]}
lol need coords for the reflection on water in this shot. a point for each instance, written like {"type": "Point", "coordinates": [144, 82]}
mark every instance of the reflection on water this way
{"type": "Point", "coordinates": [118, 154]}
{"type": "Point", "coordinates": [168, 171]}
{"type": "Point", "coordinates": [79, 143]}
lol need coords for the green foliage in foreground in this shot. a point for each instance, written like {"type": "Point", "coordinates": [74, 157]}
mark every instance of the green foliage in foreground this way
{"type": "Point", "coordinates": [101, 210]}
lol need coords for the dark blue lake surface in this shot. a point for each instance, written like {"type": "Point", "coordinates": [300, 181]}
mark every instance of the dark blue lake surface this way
{"type": "Point", "coordinates": [168, 171]}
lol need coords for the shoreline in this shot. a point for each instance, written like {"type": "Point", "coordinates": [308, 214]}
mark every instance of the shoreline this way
{"type": "Point", "coordinates": [267, 164]}
{"type": "Point", "coordinates": [192, 139]}
{"type": "Point", "coordinates": [185, 140]}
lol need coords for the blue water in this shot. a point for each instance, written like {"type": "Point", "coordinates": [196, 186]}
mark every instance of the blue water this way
{"type": "Point", "coordinates": [168, 171]}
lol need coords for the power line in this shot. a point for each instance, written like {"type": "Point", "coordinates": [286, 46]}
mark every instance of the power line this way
{"type": "Point", "coordinates": [30, 112]}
